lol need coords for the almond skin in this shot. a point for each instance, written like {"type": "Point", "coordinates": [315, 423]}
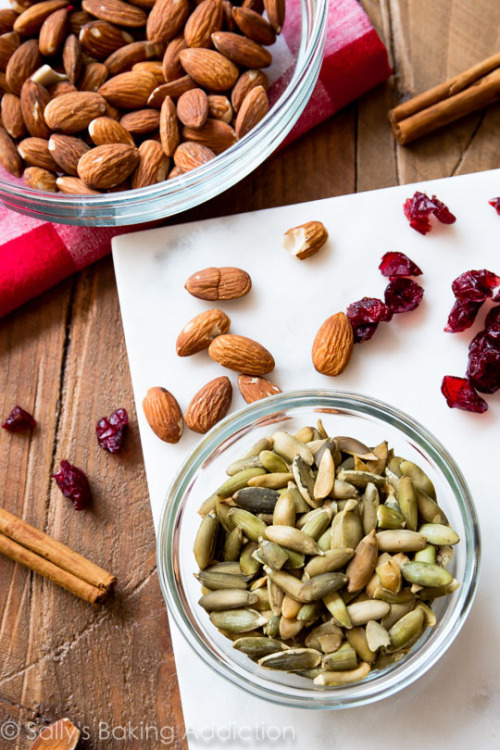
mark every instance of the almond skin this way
{"type": "Point", "coordinates": [169, 127]}
{"type": "Point", "coordinates": [166, 20]}
{"type": "Point", "coordinates": [209, 405]}
{"type": "Point", "coordinates": [72, 58]}
{"type": "Point", "coordinates": [245, 83]}
{"type": "Point", "coordinates": [67, 152]}
{"type": "Point", "coordinates": [141, 122]}
{"type": "Point", "coordinates": [255, 106]}
{"type": "Point", "coordinates": [333, 345]}
{"type": "Point", "coordinates": [254, 26]}
{"type": "Point", "coordinates": [241, 354]}
{"type": "Point", "coordinates": [306, 239]}
{"type": "Point", "coordinates": [199, 333]}
{"type": "Point", "coordinates": [74, 186]}
{"type": "Point", "coordinates": [106, 130]}
{"type": "Point", "coordinates": [100, 38]}
{"type": "Point", "coordinates": [11, 115]}
{"type": "Point", "coordinates": [53, 32]}
{"type": "Point", "coordinates": [190, 155]}
{"type": "Point", "coordinates": [107, 166]}
{"type": "Point", "coordinates": [209, 69]}
{"type": "Point", "coordinates": [31, 20]}
{"type": "Point", "coordinates": [23, 63]}
{"type": "Point", "coordinates": [116, 12]}
{"type": "Point", "coordinates": [219, 283]}
{"type": "Point", "coordinates": [171, 65]}
{"type": "Point", "coordinates": [34, 99]}
{"type": "Point", "coordinates": [163, 414]}
{"type": "Point", "coordinates": [40, 179]}
{"type": "Point", "coordinates": [241, 50]}
{"type": "Point", "coordinates": [203, 22]}
{"type": "Point", "coordinates": [129, 90]}
{"type": "Point", "coordinates": [153, 165]}
{"type": "Point", "coordinates": [215, 134]}
{"type": "Point", "coordinates": [35, 152]}
{"type": "Point", "coordinates": [275, 10]}
{"type": "Point", "coordinates": [9, 156]}
{"type": "Point", "coordinates": [253, 388]}
{"type": "Point", "coordinates": [71, 113]}
{"type": "Point", "coordinates": [192, 108]}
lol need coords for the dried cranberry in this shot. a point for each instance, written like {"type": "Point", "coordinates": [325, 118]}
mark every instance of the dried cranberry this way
{"type": "Point", "coordinates": [462, 315]}
{"type": "Point", "coordinates": [492, 324]}
{"type": "Point", "coordinates": [419, 209]}
{"type": "Point", "coordinates": [19, 419]}
{"type": "Point", "coordinates": [398, 264]}
{"type": "Point", "coordinates": [484, 363]}
{"type": "Point", "coordinates": [364, 332]}
{"type": "Point", "coordinates": [403, 295]}
{"type": "Point", "coordinates": [365, 315]}
{"type": "Point", "coordinates": [73, 484]}
{"type": "Point", "coordinates": [111, 431]}
{"type": "Point", "coordinates": [460, 394]}
{"type": "Point", "coordinates": [475, 286]}
{"type": "Point", "coordinates": [495, 202]}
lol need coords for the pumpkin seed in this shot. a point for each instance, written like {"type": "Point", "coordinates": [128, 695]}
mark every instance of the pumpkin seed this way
{"type": "Point", "coordinates": [342, 659]}
{"type": "Point", "coordinates": [272, 481]}
{"type": "Point", "coordinates": [426, 574]}
{"type": "Point", "coordinates": [288, 447]}
{"type": "Point", "coordinates": [292, 538]}
{"type": "Point", "coordinates": [205, 540]}
{"type": "Point", "coordinates": [256, 499]}
{"type": "Point", "coordinates": [305, 480]}
{"type": "Point", "coordinates": [400, 540]}
{"type": "Point", "coordinates": [331, 561]}
{"type": "Point", "coordinates": [216, 581]}
{"type": "Point", "coordinates": [407, 500]}
{"type": "Point", "coordinates": [343, 678]}
{"type": "Point", "coordinates": [371, 609]}
{"type": "Point", "coordinates": [419, 477]}
{"type": "Point", "coordinates": [238, 620]}
{"type": "Point", "coordinates": [256, 648]}
{"type": "Point", "coordinates": [319, 586]}
{"type": "Point", "coordinates": [357, 638]}
{"type": "Point", "coordinates": [406, 630]}
{"type": "Point", "coordinates": [292, 659]}
{"type": "Point", "coordinates": [252, 462]}
{"type": "Point", "coordinates": [272, 462]}
{"type": "Point", "coordinates": [438, 533]}
{"type": "Point", "coordinates": [227, 599]}
{"type": "Point", "coordinates": [284, 510]}
{"type": "Point", "coordinates": [253, 527]}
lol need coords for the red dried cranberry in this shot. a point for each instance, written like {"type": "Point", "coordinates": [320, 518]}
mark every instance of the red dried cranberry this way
{"type": "Point", "coordinates": [462, 315]}
{"type": "Point", "coordinates": [111, 431]}
{"type": "Point", "coordinates": [484, 363]}
{"type": "Point", "coordinates": [365, 315]}
{"type": "Point", "coordinates": [19, 419]}
{"type": "Point", "coordinates": [495, 202]}
{"type": "Point", "coordinates": [398, 264]}
{"type": "Point", "coordinates": [419, 209]}
{"type": "Point", "coordinates": [364, 332]}
{"type": "Point", "coordinates": [475, 286]}
{"type": "Point", "coordinates": [403, 295]}
{"type": "Point", "coordinates": [73, 484]}
{"type": "Point", "coordinates": [460, 394]}
{"type": "Point", "coordinates": [492, 324]}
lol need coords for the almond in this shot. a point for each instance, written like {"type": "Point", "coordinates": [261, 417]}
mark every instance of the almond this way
{"type": "Point", "coordinates": [72, 58]}
{"type": "Point", "coordinates": [166, 19]}
{"type": "Point", "coordinates": [40, 179]}
{"type": "Point", "coordinates": [141, 122]}
{"type": "Point", "coordinates": [215, 134]}
{"type": "Point", "coordinates": [129, 90]}
{"type": "Point", "coordinates": [209, 405]}
{"type": "Point", "coordinates": [174, 89]}
{"type": "Point", "coordinates": [71, 113]}
{"type": "Point", "coordinates": [100, 38]}
{"type": "Point", "coordinates": [275, 10]}
{"type": "Point", "coordinates": [7, 19]}
{"type": "Point", "coordinates": [74, 186]}
{"type": "Point", "coordinates": [192, 108]}
{"type": "Point", "coordinates": [47, 76]}
{"type": "Point", "coordinates": [153, 165]}
{"type": "Point", "coordinates": [169, 128]}
{"type": "Point", "coordinates": [253, 388]}
{"type": "Point", "coordinates": [62, 735]}
{"type": "Point", "coordinates": [199, 333]}
{"type": "Point", "coordinates": [306, 239]}
{"type": "Point", "coordinates": [53, 32]}
{"type": "Point", "coordinates": [254, 26]}
{"type": "Point", "coordinates": [107, 166]}
{"type": "Point", "coordinates": [255, 106]}
{"type": "Point", "coordinates": [174, 172]}
{"type": "Point", "coordinates": [77, 20]}
{"type": "Point", "coordinates": [240, 50]}
{"type": "Point", "coordinates": [34, 99]}
{"type": "Point", "coordinates": [163, 414]}
{"type": "Point", "coordinates": [209, 68]}
{"type": "Point", "coordinates": [31, 20]}
{"type": "Point", "coordinates": [116, 12]}
{"type": "Point", "coordinates": [151, 66]}
{"type": "Point", "coordinates": [106, 130]}
{"type": "Point", "coordinates": [245, 83]}
{"type": "Point", "coordinates": [190, 156]}
{"type": "Point", "coordinates": [333, 345]}
{"type": "Point", "coordinates": [241, 354]}
{"type": "Point", "coordinates": [93, 77]}
{"type": "Point", "coordinates": [9, 42]}
{"type": "Point", "coordinates": [227, 10]}
{"type": "Point", "coordinates": [23, 63]}
{"type": "Point", "coordinates": [171, 65]}
{"type": "Point", "coordinates": [9, 155]}
{"type": "Point", "coordinates": [220, 108]}
{"type": "Point", "coordinates": [67, 152]}
{"type": "Point", "coordinates": [63, 87]}
{"type": "Point", "coordinates": [35, 152]}
{"type": "Point", "coordinates": [203, 22]}
{"type": "Point", "coordinates": [219, 283]}
{"type": "Point", "coordinates": [127, 56]}
{"type": "Point", "coordinates": [11, 115]}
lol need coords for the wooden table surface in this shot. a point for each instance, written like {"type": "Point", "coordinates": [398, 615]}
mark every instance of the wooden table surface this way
{"type": "Point", "coordinates": [63, 357]}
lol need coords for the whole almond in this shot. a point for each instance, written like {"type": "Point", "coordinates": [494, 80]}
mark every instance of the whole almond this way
{"type": "Point", "coordinates": [192, 108]}
{"type": "Point", "coordinates": [9, 155]}
{"type": "Point", "coordinates": [254, 26]}
{"type": "Point", "coordinates": [74, 186]}
{"type": "Point", "coordinates": [67, 152]}
{"type": "Point", "coordinates": [174, 172]}
{"type": "Point", "coordinates": [203, 22]}
{"type": "Point", "coordinates": [163, 414]}
{"type": "Point", "coordinates": [209, 405]}
{"type": "Point", "coordinates": [153, 165]}
{"type": "Point", "coordinates": [171, 65]}
{"type": "Point", "coordinates": [241, 354]}
{"type": "Point", "coordinates": [241, 50]}
{"type": "Point", "coordinates": [22, 64]}
{"type": "Point", "coordinates": [35, 152]}
{"type": "Point", "coordinates": [11, 116]}
{"type": "Point", "coordinates": [7, 19]}
{"type": "Point", "coordinates": [34, 99]}
{"type": "Point", "coordinates": [94, 76]}
{"type": "Point", "coordinates": [275, 10]}
{"type": "Point", "coordinates": [40, 179]}
{"type": "Point", "coordinates": [141, 122]}
{"type": "Point", "coordinates": [227, 10]}
{"type": "Point", "coordinates": [166, 20]}
{"type": "Point", "coordinates": [209, 68]}
{"type": "Point", "coordinates": [107, 166]}
{"type": "Point", "coordinates": [306, 239]}
{"type": "Point", "coordinates": [151, 66]}
{"type": "Point", "coordinates": [169, 128]}
{"type": "Point", "coordinates": [125, 57]}
{"type": "Point", "coordinates": [248, 80]}
{"type": "Point", "coordinates": [215, 134]}
{"type": "Point", "coordinates": [9, 42]}
{"type": "Point", "coordinates": [129, 90]}
{"type": "Point", "coordinates": [199, 333]}
{"type": "Point", "coordinates": [219, 283]}
{"type": "Point", "coordinates": [71, 113]}
{"type": "Point", "coordinates": [77, 20]}
{"type": "Point", "coordinates": [31, 20]}
{"type": "Point", "coordinates": [99, 39]}
{"type": "Point", "coordinates": [106, 130]}
{"type": "Point", "coordinates": [255, 106]}
{"type": "Point", "coordinates": [53, 32]}
{"type": "Point", "coordinates": [333, 345]}
{"type": "Point", "coordinates": [173, 89]}
{"type": "Point", "coordinates": [220, 108]}
{"type": "Point", "coordinates": [254, 388]}
{"type": "Point", "coordinates": [116, 12]}
{"type": "Point", "coordinates": [190, 156]}
{"type": "Point", "coordinates": [256, 5]}
{"type": "Point", "coordinates": [58, 89]}
{"type": "Point", "coordinates": [72, 58]}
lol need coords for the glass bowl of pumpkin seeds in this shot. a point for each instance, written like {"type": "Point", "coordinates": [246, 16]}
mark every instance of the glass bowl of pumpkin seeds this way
{"type": "Point", "coordinates": [319, 549]}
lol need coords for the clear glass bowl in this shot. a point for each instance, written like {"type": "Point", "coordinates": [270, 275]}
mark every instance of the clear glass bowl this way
{"type": "Point", "coordinates": [343, 414]}
{"type": "Point", "coordinates": [174, 196]}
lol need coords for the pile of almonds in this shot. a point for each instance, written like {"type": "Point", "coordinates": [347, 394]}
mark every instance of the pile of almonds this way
{"type": "Point", "coordinates": [113, 95]}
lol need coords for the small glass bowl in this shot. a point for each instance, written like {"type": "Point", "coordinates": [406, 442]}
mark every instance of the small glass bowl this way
{"type": "Point", "coordinates": [361, 417]}
{"type": "Point", "coordinates": [184, 192]}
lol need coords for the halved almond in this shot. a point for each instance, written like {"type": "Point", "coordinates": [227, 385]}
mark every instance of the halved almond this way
{"type": "Point", "coordinates": [306, 239]}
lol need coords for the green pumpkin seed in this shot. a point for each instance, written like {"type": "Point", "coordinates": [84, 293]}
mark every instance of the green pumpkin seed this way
{"type": "Point", "coordinates": [397, 611]}
{"type": "Point", "coordinates": [406, 630]}
{"type": "Point", "coordinates": [205, 540]}
{"type": "Point", "coordinates": [357, 638]}
{"type": "Point", "coordinates": [238, 481]}
{"type": "Point", "coordinates": [400, 540]}
{"type": "Point", "coordinates": [389, 518]}
{"type": "Point", "coordinates": [272, 629]}
{"type": "Point", "coordinates": [331, 561]}
{"type": "Point", "coordinates": [249, 566]}
{"type": "Point", "coordinates": [369, 505]}
{"type": "Point", "coordinates": [216, 581]}
{"type": "Point", "coordinates": [284, 511]}
{"type": "Point", "coordinates": [371, 609]}
{"type": "Point", "coordinates": [343, 678]}
{"type": "Point", "coordinates": [256, 648]}
{"type": "Point", "coordinates": [272, 481]}
{"type": "Point", "coordinates": [438, 533]}
{"type": "Point", "coordinates": [427, 554]}
{"type": "Point", "coordinates": [253, 527]}
{"type": "Point", "coordinates": [407, 500]}
{"type": "Point", "coordinates": [293, 659]}
{"type": "Point", "coordinates": [232, 545]}
{"type": "Point", "coordinates": [272, 462]}
{"type": "Point", "coordinates": [263, 444]}
{"type": "Point", "coordinates": [253, 462]}
{"type": "Point", "coordinates": [287, 583]}
{"type": "Point", "coordinates": [325, 542]}
{"type": "Point", "coordinates": [227, 599]}
{"type": "Point", "coordinates": [309, 613]}
{"type": "Point", "coordinates": [419, 477]}
{"type": "Point", "coordinates": [256, 499]}
{"type": "Point", "coordinates": [429, 509]}
{"type": "Point", "coordinates": [238, 620]}
{"type": "Point", "coordinates": [434, 592]}
{"type": "Point", "coordinates": [272, 554]}
{"type": "Point", "coordinates": [341, 660]}
{"type": "Point", "coordinates": [426, 574]}
{"type": "Point", "coordinates": [288, 447]}
{"type": "Point", "coordinates": [337, 607]}
{"type": "Point", "coordinates": [319, 586]}
{"type": "Point", "coordinates": [293, 539]}
{"type": "Point", "coordinates": [361, 479]}
{"type": "Point", "coordinates": [318, 524]}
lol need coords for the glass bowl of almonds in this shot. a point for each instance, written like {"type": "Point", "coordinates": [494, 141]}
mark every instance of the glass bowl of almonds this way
{"type": "Point", "coordinates": [117, 113]}
{"type": "Point", "coordinates": [319, 549]}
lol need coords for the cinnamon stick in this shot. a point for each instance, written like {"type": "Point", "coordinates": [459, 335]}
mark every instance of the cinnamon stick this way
{"type": "Point", "coordinates": [468, 92]}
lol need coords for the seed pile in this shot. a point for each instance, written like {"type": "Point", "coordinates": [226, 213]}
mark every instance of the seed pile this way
{"type": "Point", "coordinates": [322, 557]}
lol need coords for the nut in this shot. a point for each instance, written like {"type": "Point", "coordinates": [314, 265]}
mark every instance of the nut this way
{"type": "Point", "coordinates": [163, 414]}
{"type": "Point", "coordinates": [241, 354]}
{"type": "Point", "coordinates": [129, 90]}
{"type": "Point", "coordinates": [205, 19]}
{"type": "Point", "coordinates": [192, 108]}
{"type": "Point", "coordinates": [209, 405]}
{"type": "Point", "coordinates": [104, 130]}
{"type": "Point", "coordinates": [67, 151]}
{"type": "Point", "coordinates": [189, 156]}
{"type": "Point", "coordinates": [333, 345]}
{"type": "Point", "coordinates": [40, 179]}
{"type": "Point", "coordinates": [153, 165]}
{"type": "Point", "coordinates": [209, 68]}
{"type": "Point", "coordinates": [107, 166]}
{"type": "Point", "coordinates": [199, 333]}
{"type": "Point", "coordinates": [71, 113]}
{"type": "Point", "coordinates": [255, 106]}
{"type": "Point", "coordinates": [253, 388]}
{"type": "Point", "coordinates": [219, 283]}
{"type": "Point", "coordinates": [306, 239]}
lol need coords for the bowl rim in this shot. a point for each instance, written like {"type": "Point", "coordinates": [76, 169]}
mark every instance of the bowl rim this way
{"type": "Point", "coordinates": [415, 666]}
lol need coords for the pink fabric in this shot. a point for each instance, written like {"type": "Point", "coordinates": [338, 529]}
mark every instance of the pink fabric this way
{"type": "Point", "coordinates": [35, 255]}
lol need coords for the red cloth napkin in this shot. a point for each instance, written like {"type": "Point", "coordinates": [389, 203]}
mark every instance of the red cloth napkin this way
{"type": "Point", "coordinates": [35, 255]}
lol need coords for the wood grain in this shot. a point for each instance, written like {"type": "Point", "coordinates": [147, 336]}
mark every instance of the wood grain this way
{"type": "Point", "coordinates": [63, 357]}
